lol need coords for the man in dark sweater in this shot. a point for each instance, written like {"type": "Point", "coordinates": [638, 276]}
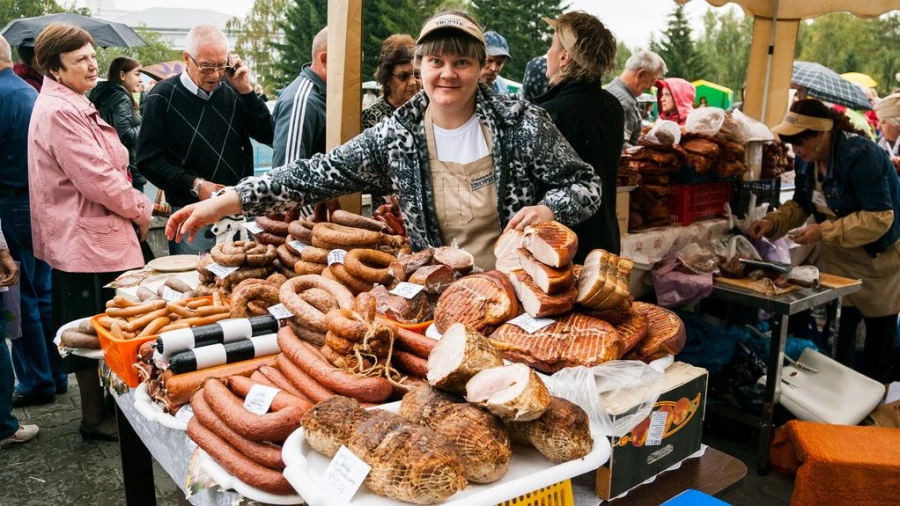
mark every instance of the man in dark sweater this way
{"type": "Point", "coordinates": [195, 136]}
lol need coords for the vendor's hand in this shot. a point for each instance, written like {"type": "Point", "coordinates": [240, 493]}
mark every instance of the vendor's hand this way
{"type": "Point", "coordinates": [241, 77]}
{"type": "Point", "coordinates": [809, 235]}
{"type": "Point", "coordinates": [188, 220]}
{"type": "Point", "coordinates": [207, 189]}
{"type": "Point", "coordinates": [143, 231]}
{"type": "Point", "coordinates": [9, 271]}
{"type": "Point", "coordinates": [530, 215]}
{"type": "Point", "coordinates": [760, 228]}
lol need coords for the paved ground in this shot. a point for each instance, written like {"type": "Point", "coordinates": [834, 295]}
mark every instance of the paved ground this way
{"type": "Point", "coordinates": [60, 469]}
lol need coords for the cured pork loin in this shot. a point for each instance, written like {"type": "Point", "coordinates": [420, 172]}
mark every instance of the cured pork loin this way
{"type": "Point", "coordinates": [506, 249]}
{"type": "Point", "coordinates": [632, 328]}
{"type": "Point", "coordinates": [400, 309]}
{"type": "Point", "coordinates": [575, 339]}
{"type": "Point", "coordinates": [461, 353]}
{"type": "Point", "coordinates": [457, 259]}
{"type": "Point", "coordinates": [406, 265]}
{"type": "Point", "coordinates": [665, 333]}
{"type": "Point", "coordinates": [482, 301]}
{"type": "Point", "coordinates": [551, 243]}
{"type": "Point", "coordinates": [549, 279]}
{"type": "Point", "coordinates": [513, 392]}
{"type": "Point", "coordinates": [535, 301]}
{"type": "Point", "coordinates": [561, 434]}
{"type": "Point", "coordinates": [435, 278]}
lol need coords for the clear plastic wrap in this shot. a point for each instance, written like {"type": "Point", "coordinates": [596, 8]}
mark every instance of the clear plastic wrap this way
{"type": "Point", "coordinates": [732, 246]}
{"type": "Point", "coordinates": [665, 133]}
{"type": "Point", "coordinates": [705, 120]}
{"type": "Point", "coordinates": [741, 128]}
{"type": "Point", "coordinates": [625, 388]}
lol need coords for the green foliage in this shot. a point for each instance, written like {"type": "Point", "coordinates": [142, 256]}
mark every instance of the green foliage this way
{"type": "Point", "coordinates": [845, 43]}
{"type": "Point", "coordinates": [521, 24]}
{"type": "Point", "coordinates": [679, 50]}
{"type": "Point", "coordinates": [155, 51]}
{"type": "Point", "coordinates": [301, 22]}
{"type": "Point", "coordinates": [725, 47]}
{"type": "Point", "coordinates": [14, 9]}
{"type": "Point", "coordinates": [257, 33]}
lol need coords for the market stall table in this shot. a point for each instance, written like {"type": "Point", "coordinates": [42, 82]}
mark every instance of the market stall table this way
{"type": "Point", "coordinates": [782, 308]}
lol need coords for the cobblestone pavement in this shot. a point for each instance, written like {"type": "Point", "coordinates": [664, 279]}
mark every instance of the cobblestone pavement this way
{"type": "Point", "coordinates": [59, 468]}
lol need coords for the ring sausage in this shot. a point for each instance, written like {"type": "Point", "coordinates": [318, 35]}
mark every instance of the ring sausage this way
{"type": "Point", "coordinates": [349, 219]}
{"type": "Point", "coordinates": [320, 299]}
{"type": "Point", "coordinates": [329, 234]}
{"type": "Point", "coordinates": [307, 358]}
{"type": "Point", "coordinates": [262, 256]}
{"type": "Point", "coordinates": [264, 454]}
{"type": "Point", "coordinates": [272, 226]}
{"type": "Point", "coordinates": [314, 255]}
{"type": "Point", "coordinates": [310, 336]}
{"type": "Point", "coordinates": [303, 267]}
{"type": "Point", "coordinates": [234, 462]}
{"type": "Point", "coordinates": [326, 273]}
{"type": "Point", "coordinates": [269, 239]}
{"type": "Point", "coordinates": [355, 285]}
{"type": "Point", "coordinates": [286, 257]}
{"type": "Point", "coordinates": [337, 343]}
{"type": "Point", "coordinates": [300, 232]}
{"type": "Point", "coordinates": [346, 324]}
{"type": "Point", "coordinates": [371, 266]}
{"type": "Point", "coordinates": [314, 390]}
{"type": "Point", "coordinates": [229, 254]}
{"type": "Point", "coordinates": [274, 426]}
{"type": "Point", "coordinates": [305, 314]}
{"type": "Point", "coordinates": [261, 292]}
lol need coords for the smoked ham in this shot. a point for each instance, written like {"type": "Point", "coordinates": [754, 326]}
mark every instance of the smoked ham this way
{"type": "Point", "coordinates": [665, 333]}
{"type": "Point", "coordinates": [482, 301]}
{"type": "Point", "coordinates": [435, 278]}
{"type": "Point", "coordinates": [551, 243]}
{"type": "Point", "coordinates": [573, 340]}
{"type": "Point", "coordinates": [406, 265]}
{"type": "Point", "coordinates": [561, 434]}
{"type": "Point", "coordinates": [513, 392]}
{"type": "Point", "coordinates": [632, 328]}
{"type": "Point", "coordinates": [460, 354]}
{"type": "Point", "coordinates": [401, 309]}
{"type": "Point", "coordinates": [537, 303]}
{"type": "Point", "coordinates": [506, 249]}
{"type": "Point", "coordinates": [457, 259]}
{"type": "Point", "coordinates": [550, 279]}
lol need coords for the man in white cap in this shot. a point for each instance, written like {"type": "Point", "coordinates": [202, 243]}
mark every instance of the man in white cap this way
{"type": "Point", "coordinates": [888, 111]}
{"type": "Point", "coordinates": [497, 56]}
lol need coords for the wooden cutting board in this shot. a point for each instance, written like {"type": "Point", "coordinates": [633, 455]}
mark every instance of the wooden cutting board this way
{"type": "Point", "coordinates": [833, 281]}
{"type": "Point", "coordinates": [759, 286]}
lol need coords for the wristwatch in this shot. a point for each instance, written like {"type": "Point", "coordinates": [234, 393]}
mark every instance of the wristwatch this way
{"type": "Point", "coordinates": [195, 191]}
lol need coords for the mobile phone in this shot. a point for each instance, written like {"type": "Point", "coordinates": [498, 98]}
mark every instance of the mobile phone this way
{"type": "Point", "coordinates": [231, 67]}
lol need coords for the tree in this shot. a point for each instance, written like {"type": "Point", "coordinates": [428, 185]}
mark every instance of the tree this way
{"type": "Point", "coordinates": [521, 24]}
{"type": "Point", "coordinates": [257, 35]}
{"type": "Point", "coordinates": [14, 9]}
{"type": "Point", "coordinates": [623, 52]}
{"type": "Point", "coordinates": [155, 51]}
{"type": "Point", "coordinates": [303, 19]}
{"type": "Point", "coordinates": [678, 49]}
{"type": "Point", "coordinates": [726, 32]}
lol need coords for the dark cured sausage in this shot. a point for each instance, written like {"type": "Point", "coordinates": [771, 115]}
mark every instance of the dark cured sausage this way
{"type": "Point", "coordinates": [314, 390]}
{"type": "Point", "coordinates": [310, 360]}
{"type": "Point", "coordinates": [415, 343]}
{"type": "Point", "coordinates": [407, 362]}
{"type": "Point", "coordinates": [234, 462]}
{"type": "Point", "coordinates": [265, 454]}
{"type": "Point", "coordinates": [274, 427]}
{"type": "Point", "coordinates": [274, 376]}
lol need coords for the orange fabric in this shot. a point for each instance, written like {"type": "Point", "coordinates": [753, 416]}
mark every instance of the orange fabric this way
{"type": "Point", "coordinates": [838, 464]}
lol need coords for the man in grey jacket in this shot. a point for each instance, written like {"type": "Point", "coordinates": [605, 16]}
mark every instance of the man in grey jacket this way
{"type": "Point", "coordinates": [300, 110]}
{"type": "Point", "coordinates": [642, 70]}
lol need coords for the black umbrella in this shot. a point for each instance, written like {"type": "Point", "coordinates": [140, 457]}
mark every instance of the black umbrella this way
{"type": "Point", "coordinates": [24, 31]}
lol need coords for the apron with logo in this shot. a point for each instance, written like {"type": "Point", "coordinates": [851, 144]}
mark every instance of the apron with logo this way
{"type": "Point", "coordinates": [465, 199]}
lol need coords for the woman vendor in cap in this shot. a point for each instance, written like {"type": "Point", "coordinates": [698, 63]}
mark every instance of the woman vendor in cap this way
{"type": "Point", "coordinates": [465, 163]}
{"type": "Point", "coordinates": [846, 182]}
{"type": "Point", "coordinates": [888, 111]}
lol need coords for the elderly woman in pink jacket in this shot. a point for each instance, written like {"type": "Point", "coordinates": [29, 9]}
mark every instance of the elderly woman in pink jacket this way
{"type": "Point", "coordinates": [86, 217]}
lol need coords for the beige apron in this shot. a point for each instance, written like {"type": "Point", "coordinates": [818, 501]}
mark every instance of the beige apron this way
{"type": "Point", "coordinates": [880, 293]}
{"type": "Point", "coordinates": [465, 199]}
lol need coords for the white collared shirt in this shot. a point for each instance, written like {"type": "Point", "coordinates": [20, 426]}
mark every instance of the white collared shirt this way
{"type": "Point", "coordinates": [193, 88]}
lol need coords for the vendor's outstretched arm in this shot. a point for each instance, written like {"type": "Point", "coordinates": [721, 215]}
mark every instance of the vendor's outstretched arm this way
{"type": "Point", "coordinates": [188, 220]}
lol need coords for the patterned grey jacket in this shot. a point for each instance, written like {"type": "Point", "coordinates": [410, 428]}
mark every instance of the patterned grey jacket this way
{"type": "Point", "coordinates": [533, 164]}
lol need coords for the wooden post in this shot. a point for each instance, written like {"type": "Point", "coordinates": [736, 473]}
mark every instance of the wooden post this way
{"type": "Point", "coordinates": [782, 67]}
{"type": "Point", "coordinates": [344, 80]}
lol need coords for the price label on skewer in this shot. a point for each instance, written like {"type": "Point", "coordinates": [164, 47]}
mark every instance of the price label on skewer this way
{"type": "Point", "coordinates": [531, 324]}
{"type": "Point", "coordinates": [252, 227]}
{"type": "Point", "coordinates": [336, 256]}
{"type": "Point", "coordinates": [280, 311]}
{"type": "Point", "coordinates": [407, 290]}
{"type": "Point", "coordinates": [220, 270]}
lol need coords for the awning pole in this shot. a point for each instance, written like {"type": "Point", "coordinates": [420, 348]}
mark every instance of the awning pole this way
{"type": "Point", "coordinates": [765, 98]}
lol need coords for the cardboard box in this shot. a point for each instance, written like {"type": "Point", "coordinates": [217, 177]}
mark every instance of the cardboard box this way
{"type": "Point", "coordinates": [623, 203]}
{"type": "Point", "coordinates": [670, 434]}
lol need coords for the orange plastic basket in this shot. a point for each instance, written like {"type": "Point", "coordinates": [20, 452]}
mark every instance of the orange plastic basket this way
{"type": "Point", "coordinates": [560, 494]}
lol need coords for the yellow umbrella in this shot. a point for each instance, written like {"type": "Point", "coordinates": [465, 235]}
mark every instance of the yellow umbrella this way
{"type": "Point", "coordinates": [860, 79]}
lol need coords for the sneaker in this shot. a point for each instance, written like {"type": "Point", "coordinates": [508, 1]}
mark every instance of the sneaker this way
{"type": "Point", "coordinates": [24, 434]}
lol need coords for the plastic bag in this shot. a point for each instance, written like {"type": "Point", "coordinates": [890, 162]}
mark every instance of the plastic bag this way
{"type": "Point", "coordinates": [735, 245]}
{"type": "Point", "coordinates": [664, 132]}
{"type": "Point", "coordinates": [741, 128]}
{"type": "Point", "coordinates": [705, 120]}
{"type": "Point", "coordinates": [676, 286]}
{"type": "Point", "coordinates": [628, 388]}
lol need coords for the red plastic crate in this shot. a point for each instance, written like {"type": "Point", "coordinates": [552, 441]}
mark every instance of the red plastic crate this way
{"type": "Point", "coordinates": [690, 202]}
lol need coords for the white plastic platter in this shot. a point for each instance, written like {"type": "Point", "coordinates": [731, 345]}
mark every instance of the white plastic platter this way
{"type": "Point", "coordinates": [227, 481]}
{"type": "Point", "coordinates": [153, 412]}
{"type": "Point", "coordinates": [528, 471]}
{"type": "Point", "coordinates": [81, 352]}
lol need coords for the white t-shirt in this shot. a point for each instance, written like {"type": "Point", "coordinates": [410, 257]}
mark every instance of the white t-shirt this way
{"type": "Point", "coordinates": [461, 145]}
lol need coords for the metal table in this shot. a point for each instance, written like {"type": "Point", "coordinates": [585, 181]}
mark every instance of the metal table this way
{"type": "Point", "coordinates": [782, 307]}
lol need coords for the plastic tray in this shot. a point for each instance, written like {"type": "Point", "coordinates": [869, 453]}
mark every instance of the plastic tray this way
{"type": "Point", "coordinates": [528, 472]}
{"type": "Point", "coordinates": [227, 481]}
{"type": "Point", "coordinates": [80, 352]}
{"type": "Point", "coordinates": [154, 413]}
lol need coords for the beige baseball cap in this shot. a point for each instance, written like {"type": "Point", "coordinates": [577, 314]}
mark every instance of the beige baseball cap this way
{"type": "Point", "coordinates": [794, 123]}
{"type": "Point", "coordinates": [888, 107]}
{"type": "Point", "coordinates": [451, 21]}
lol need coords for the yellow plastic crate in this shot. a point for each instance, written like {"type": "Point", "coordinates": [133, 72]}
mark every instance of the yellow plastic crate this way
{"type": "Point", "coordinates": [554, 495]}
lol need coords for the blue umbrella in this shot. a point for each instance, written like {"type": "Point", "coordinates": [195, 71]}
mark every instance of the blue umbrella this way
{"type": "Point", "coordinates": [826, 84]}
{"type": "Point", "coordinates": [24, 31]}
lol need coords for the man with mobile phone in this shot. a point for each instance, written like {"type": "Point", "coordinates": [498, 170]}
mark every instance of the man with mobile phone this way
{"type": "Point", "coordinates": [195, 136]}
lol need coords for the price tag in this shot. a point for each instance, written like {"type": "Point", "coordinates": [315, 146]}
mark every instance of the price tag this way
{"type": "Point", "coordinates": [252, 227]}
{"type": "Point", "coordinates": [259, 398]}
{"type": "Point", "coordinates": [407, 290]}
{"type": "Point", "coordinates": [171, 295]}
{"type": "Point", "coordinates": [220, 270]}
{"type": "Point", "coordinates": [185, 413]}
{"type": "Point", "coordinates": [345, 474]}
{"type": "Point", "coordinates": [298, 246]}
{"type": "Point", "coordinates": [657, 427]}
{"type": "Point", "coordinates": [280, 312]}
{"type": "Point", "coordinates": [531, 324]}
{"type": "Point", "coordinates": [336, 256]}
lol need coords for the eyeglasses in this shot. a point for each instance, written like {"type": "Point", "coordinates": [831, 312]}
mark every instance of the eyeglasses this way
{"type": "Point", "coordinates": [404, 76]}
{"type": "Point", "coordinates": [210, 69]}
